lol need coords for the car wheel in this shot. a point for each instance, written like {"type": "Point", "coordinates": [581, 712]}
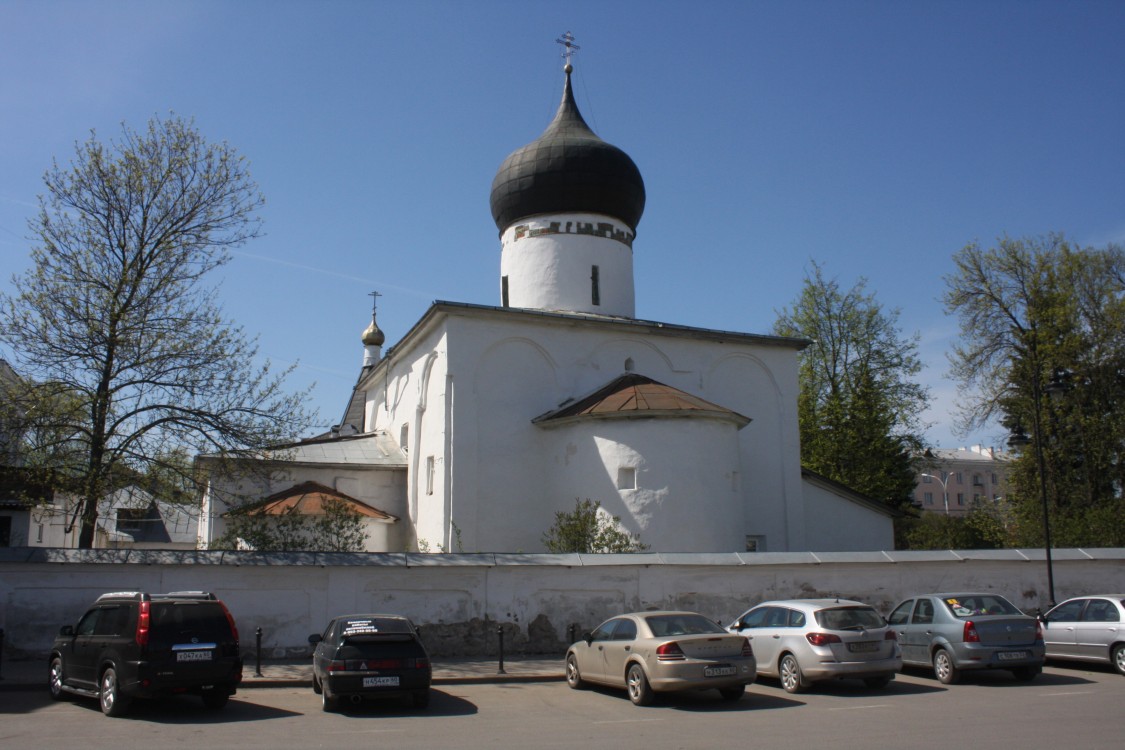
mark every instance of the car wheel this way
{"type": "Point", "coordinates": [944, 668]}
{"type": "Point", "coordinates": [327, 702]}
{"type": "Point", "coordinates": [573, 676]}
{"type": "Point", "coordinates": [56, 680]}
{"type": "Point", "coordinates": [640, 692]}
{"type": "Point", "coordinates": [421, 698]}
{"type": "Point", "coordinates": [113, 703]}
{"type": "Point", "coordinates": [316, 685]}
{"type": "Point", "coordinates": [215, 699]}
{"type": "Point", "coordinates": [790, 672]}
{"type": "Point", "coordinates": [1118, 658]}
{"type": "Point", "coordinates": [732, 693]}
{"type": "Point", "coordinates": [877, 683]}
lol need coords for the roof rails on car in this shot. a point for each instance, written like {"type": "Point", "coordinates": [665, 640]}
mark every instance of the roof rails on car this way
{"type": "Point", "coordinates": [141, 596]}
{"type": "Point", "coordinates": [133, 595]}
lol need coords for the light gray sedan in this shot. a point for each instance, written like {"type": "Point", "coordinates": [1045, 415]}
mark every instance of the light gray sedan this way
{"type": "Point", "coordinates": [1088, 628]}
{"type": "Point", "coordinates": [647, 652]}
{"type": "Point", "coordinates": [801, 641]}
{"type": "Point", "coordinates": [956, 631]}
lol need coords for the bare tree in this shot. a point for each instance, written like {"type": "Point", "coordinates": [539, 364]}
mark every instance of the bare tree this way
{"type": "Point", "coordinates": [115, 315]}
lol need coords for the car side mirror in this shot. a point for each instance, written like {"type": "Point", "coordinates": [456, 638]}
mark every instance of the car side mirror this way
{"type": "Point", "coordinates": [588, 637]}
{"type": "Point", "coordinates": [66, 630]}
{"type": "Point", "coordinates": [315, 638]}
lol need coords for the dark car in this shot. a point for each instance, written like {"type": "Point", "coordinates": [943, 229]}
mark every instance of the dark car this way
{"type": "Point", "coordinates": [137, 645]}
{"type": "Point", "coordinates": [955, 632]}
{"type": "Point", "coordinates": [369, 656]}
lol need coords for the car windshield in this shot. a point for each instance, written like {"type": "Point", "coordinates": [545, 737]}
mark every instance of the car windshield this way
{"type": "Point", "coordinates": [849, 618]}
{"type": "Point", "coordinates": [970, 605]}
{"type": "Point", "coordinates": [668, 625]}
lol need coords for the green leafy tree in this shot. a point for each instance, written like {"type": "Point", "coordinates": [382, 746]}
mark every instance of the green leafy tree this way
{"type": "Point", "coordinates": [859, 406]}
{"type": "Point", "coordinates": [589, 529]}
{"type": "Point", "coordinates": [1031, 311]}
{"type": "Point", "coordinates": [338, 529]}
{"type": "Point", "coordinates": [116, 320]}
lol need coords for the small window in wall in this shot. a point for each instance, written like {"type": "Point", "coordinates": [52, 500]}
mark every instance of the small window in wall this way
{"type": "Point", "coordinates": [39, 534]}
{"type": "Point", "coordinates": [131, 520]}
{"type": "Point", "coordinates": [755, 543]}
{"type": "Point", "coordinates": [929, 498]}
{"type": "Point", "coordinates": [960, 498]}
{"type": "Point", "coordinates": [5, 531]}
{"type": "Point", "coordinates": [429, 475]}
{"type": "Point", "coordinates": [595, 288]}
{"type": "Point", "coordinates": [504, 291]}
{"type": "Point", "coordinates": [626, 478]}
{"type": "Point", "coordinates": [404, 437]}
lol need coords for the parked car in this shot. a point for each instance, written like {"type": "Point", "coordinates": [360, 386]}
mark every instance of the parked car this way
{"type": "Point", "coordinates": [954, 632]}
{"type": "Point", "coordinates": [663, 651]}
{"type": "Point", "coordinates": [370, 656]}
{"type": "Point", "coordinates": [1087, 628]}
{"type": "Point", "coordinates": [137, 645]}
{"type": "Point", "coordinates": [802, 641]}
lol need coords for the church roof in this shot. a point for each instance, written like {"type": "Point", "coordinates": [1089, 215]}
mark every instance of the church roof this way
{"type": "Point", "coordinates": [633, 395]}
{"type": "Point", "coordinates": [568, 169]}
{"type": "Point", "coordinates": [310, 499]}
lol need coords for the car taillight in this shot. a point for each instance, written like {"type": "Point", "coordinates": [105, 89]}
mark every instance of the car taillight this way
{"type": "Point", "coordinates": [669, 652]}
{"type": "Point", "coordinates": [746, 650]}
{"type": "Point", "coordinates": [891, 635]}
{"type": "Point", "coordinates": [336, 666]}
{"type": "Point", "coordinates": [1038, 631]}
{"type": "Point", "coordinates": [230, 619]}
{"type": "Point", "coordinates": [143, 621]}
{"type": "Point", "coordinates": [971, 635]}
{"type": "Point", "coordinates": [822, 639]}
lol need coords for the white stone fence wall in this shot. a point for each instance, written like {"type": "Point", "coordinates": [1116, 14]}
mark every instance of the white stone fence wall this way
{"type": "Point", "coordinates": [461, 600]}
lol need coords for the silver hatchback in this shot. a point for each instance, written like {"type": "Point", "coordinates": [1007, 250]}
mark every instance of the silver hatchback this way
{"type": "Point", "coordinates": [802, 641]}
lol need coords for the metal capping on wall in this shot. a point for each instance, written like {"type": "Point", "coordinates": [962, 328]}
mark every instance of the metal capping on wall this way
{"type": "Point", "coordinates": [498, 559]}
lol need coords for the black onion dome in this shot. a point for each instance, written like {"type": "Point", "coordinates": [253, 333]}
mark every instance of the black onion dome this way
{"type": "Point", "coordinates": [567, 169]}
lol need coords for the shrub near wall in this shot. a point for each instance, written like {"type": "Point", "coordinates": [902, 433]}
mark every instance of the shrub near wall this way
{"type": "Point", "coordinates": [460, 601]}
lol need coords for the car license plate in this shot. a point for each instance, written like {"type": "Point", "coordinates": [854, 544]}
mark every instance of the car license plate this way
{"type": "Point", "coordinates": [1011, 655]}
{"type": "Point", "coordinates": [380, 681]}
{"type": "Point", "coordinates": [863, 647]}
{"type": "Point", "coordinates": [193, 656]}
{"type": "Point", "coordinates": [724, 670]}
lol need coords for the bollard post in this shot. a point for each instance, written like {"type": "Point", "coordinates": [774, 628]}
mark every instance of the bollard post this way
{"type": "Point", "coordinates": [258, 650]}
{"type": "Point", "coordinates": [1, 653]}
{"type": "Point", "coordinates": [500, 634]}
{"type": "Point", "coordinates": [570, 633]}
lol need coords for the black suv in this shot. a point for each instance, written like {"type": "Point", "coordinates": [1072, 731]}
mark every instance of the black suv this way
{"type": "Point", "coordinates": [136, 645]}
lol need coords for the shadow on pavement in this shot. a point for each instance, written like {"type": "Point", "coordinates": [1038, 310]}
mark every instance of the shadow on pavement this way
{"type": "Point", "coordinates": [441, 704]}
{"type": "Point", "coordinates": [1000, 678]}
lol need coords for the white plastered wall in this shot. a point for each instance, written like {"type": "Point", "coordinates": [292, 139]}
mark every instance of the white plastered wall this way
{"type": "Point", "coordinates": [552, 271]}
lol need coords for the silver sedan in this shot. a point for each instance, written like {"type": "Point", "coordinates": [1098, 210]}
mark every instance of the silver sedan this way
{"type": "Point", "coordinates": [664, 651]}
{"type": "Point", "coordinates": [956, 631]}
{"type": "Point", "coordinates": [1088, 628]}
{"type": "Point", "coordinates": [801, 641]}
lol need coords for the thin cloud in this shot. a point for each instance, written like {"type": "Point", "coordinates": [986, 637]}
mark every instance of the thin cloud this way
{"type": "Point", "coordinates": [335, 274]}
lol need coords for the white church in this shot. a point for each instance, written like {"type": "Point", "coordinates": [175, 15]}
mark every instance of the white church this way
{"type": "Point", "coordinates": [482, 422]}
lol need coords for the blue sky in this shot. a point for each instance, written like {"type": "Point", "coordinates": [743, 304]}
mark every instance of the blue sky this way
{"type": "Point", "coordinates": [876, 138]}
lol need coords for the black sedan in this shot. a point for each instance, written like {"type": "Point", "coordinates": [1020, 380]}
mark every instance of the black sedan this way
{"type": "Point", "coordinates": [367, 656]}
